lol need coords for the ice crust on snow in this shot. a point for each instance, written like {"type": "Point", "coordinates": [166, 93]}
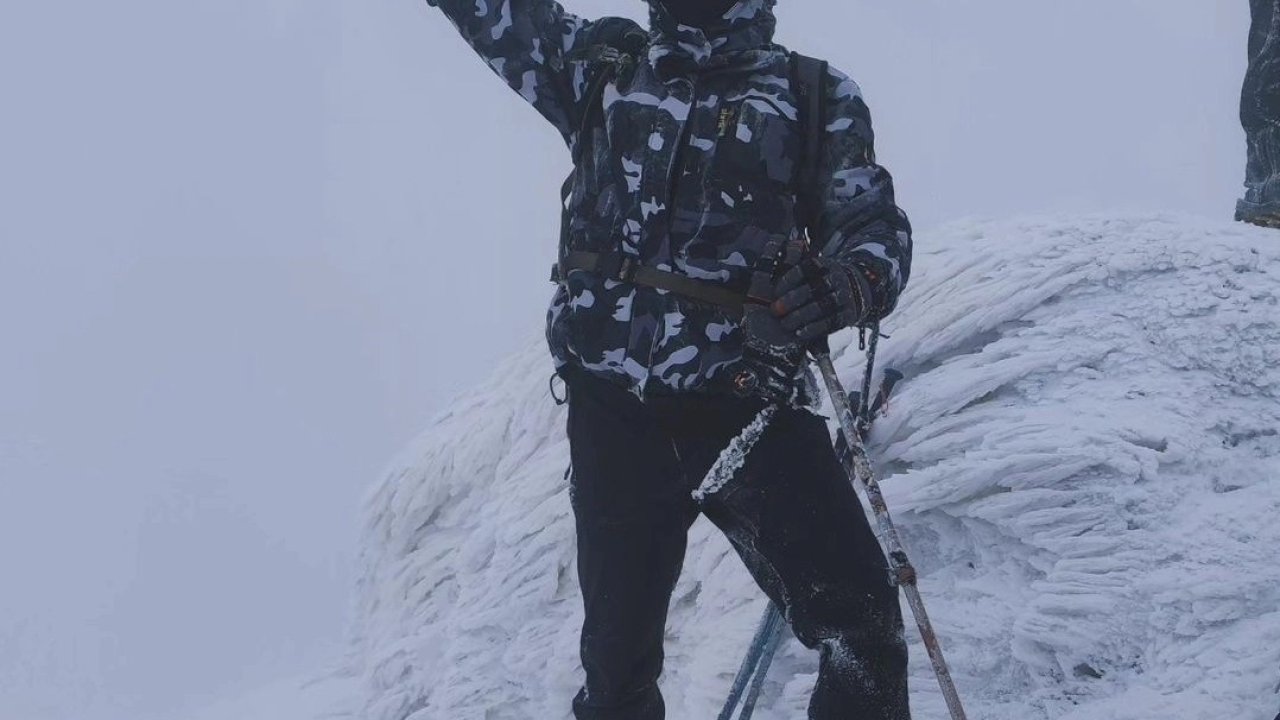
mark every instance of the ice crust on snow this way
{"type": "Point", "coordinates": [1083, 460]}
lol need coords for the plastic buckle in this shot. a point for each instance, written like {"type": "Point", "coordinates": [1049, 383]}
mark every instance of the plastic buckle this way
{"type": "Point", "coordinates": [627, 270]}
{"type": "Point", "coordinates": [618, 266]}
{"type": "Point", "coordinates": [768, 265]}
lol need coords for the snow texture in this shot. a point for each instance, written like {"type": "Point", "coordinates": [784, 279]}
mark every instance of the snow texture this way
{"type": "Point", "coordinates": [1083, 460]}
{"type": "Point", "coordinates": [735, 455]}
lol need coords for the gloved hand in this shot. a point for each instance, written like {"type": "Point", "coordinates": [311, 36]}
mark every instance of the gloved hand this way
{"type": "Point", "coordinates": [820, 296]}
{"type": "Point", "coordinates": [773, 361]}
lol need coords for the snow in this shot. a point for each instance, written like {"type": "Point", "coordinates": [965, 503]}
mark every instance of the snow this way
{"type": "Point", "coordinates": [735, 455]}
{"type": "Point", "coordinates": [329, 695]}
{"type": "Point", "coordinates": [1082, 460]}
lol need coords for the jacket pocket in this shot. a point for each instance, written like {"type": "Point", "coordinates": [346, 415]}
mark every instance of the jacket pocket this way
{"type": "Point", "coordinates": [756, 148]}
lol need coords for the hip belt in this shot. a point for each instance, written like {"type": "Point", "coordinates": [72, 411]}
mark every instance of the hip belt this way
{"type": "Point", "coordinates": [628, 269]}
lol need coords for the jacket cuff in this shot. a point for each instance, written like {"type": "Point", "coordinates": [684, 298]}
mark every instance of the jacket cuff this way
{"type": "Point", "coordinates": [862, 288]}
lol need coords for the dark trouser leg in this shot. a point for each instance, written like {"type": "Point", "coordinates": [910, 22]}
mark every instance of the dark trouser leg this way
{"type": "Point", "coordinates": [797, 523]}
{"type": "Point", "coordinates": [633, 513]}
{"type": "Point", "coordinates": [1260, 115]}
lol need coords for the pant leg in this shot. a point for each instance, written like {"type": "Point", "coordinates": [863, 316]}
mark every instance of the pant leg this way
{"type": "Point", "coordinates": [1260, 116]}
{"type": "Point", "coordinates": [632, 515]}
{"type": "Point", "coordinates": [796, 520]}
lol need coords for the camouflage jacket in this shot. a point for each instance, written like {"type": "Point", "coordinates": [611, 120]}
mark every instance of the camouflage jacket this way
{"type": "Point", "coordinates": [691, 171]}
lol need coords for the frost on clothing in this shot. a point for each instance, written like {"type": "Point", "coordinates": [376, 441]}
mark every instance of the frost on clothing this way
{"type": "Point", "coordinates": [1082, 460]}
{"type": "Point", "coordinates": [791, 515]}
{"type": "Point", "coordinates": [734, 456]}
{"type": "Point", "coordinates": [692, 171]}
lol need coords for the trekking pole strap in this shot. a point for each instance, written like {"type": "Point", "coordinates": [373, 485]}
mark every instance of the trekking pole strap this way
{"type": "Point", "coordinates": [862, 420]}
{"type": "Point", "coordinates": [808, 84]}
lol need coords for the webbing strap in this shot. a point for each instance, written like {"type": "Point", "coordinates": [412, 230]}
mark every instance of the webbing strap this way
{"type": "Point", "coordinates": [808, 83]}
{"type": "Point", "coordinates": [808, 76]}
{"type": "Point", "coordinates": [625, 268]}
{"type": "Point", "coordinates": [590, 108]}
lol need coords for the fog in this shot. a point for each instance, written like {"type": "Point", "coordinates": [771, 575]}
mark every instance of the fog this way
{"type": "Point", "coordinates": [248, 249]}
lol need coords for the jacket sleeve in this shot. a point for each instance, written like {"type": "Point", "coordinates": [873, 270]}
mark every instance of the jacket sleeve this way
{"type": "Point", "coordinates": [529, 44]}
{"type": "Point", "coordinates": [861, 226]}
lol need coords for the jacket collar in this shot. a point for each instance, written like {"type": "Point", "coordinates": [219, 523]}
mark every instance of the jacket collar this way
{"type": "Point", "coordinates": [678, 50]}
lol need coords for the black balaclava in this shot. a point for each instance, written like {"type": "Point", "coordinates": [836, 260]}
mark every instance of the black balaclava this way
{"type": "Point", "coordinates": [697, 13]}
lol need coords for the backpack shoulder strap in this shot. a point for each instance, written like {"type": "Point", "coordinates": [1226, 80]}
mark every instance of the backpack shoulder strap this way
{"type": "Point", "coordinates": [601, 73]}
{"type": "Point", "coordinates": [614, 49]}
{"type": "Point", "coordinates": [610, 53]}
{"type": "Point", "coordinates": [808, 82]}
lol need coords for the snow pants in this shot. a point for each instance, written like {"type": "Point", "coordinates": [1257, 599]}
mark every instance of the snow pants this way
{"type": "Point", "coordinates": [1260, 116]}
{"type": "Point", "coordinates": [791, 514]}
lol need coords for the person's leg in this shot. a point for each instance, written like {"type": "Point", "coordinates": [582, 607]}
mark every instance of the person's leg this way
{"type": "Point", "coordinates": [1260, 116]}
{"type": "Point", "coordinates": [796, 521]}
{"type": "Point", "coordinates": [632, 515]}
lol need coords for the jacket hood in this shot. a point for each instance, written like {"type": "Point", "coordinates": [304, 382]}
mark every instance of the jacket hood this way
{"type": "Point", "coordinates": [746, 25]}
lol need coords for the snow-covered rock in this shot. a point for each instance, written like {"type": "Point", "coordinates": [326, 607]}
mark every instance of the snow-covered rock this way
{"type": "Point", "coordinates": [1084, 461]}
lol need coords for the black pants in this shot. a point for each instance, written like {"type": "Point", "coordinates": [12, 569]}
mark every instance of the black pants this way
{"type": "Point", "coordinates": [790, 513]}
{"type": "Point", "coordinates": [1260, 115]}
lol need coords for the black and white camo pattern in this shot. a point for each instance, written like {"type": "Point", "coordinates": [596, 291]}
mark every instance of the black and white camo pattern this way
{"type": "Point", "coordinates": [692, 171]}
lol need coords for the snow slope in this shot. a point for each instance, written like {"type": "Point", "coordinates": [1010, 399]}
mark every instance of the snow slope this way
{"type": "Point", "coordinates": [1083, 459]}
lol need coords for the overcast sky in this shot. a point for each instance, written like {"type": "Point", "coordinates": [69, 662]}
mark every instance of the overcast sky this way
{"type": "Point", "coordinates": [248, 248]}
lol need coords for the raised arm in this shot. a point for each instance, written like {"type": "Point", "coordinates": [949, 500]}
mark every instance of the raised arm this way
{"type": "Point", "coordinates": [530, 44]}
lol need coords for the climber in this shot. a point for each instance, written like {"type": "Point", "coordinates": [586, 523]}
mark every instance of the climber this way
{"type": "Point", "coordinates": [687, 150]}
{"type": "Point", "coordinates": [1260, 116]}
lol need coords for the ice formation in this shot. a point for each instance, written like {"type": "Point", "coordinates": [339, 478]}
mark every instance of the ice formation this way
{"type": "Point", "coordinates": [1083, 459]}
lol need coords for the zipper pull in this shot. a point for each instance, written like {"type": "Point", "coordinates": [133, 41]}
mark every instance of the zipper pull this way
{"type": "Point", "coordinates": [726, 121]}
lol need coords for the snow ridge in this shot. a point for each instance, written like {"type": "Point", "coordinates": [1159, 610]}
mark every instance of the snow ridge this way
{"type": "Point", "coordinates": [1083, 461]}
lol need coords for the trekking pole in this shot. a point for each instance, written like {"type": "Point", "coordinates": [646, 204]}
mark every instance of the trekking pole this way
{"type": "Point", "coordinates": [904, 573]}
{"type": "Point", "coordinates": [766, 634]}
{"type": "Point", "coordinates": [769, 633]}
{"type": "Point", "coordinates": [762, 667]}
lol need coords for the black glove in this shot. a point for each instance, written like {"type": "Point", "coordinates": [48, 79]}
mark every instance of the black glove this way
{"type": "Point", "coordinates": [773, 361]}
{"type": "Point", "coordinates": [820, 296]}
